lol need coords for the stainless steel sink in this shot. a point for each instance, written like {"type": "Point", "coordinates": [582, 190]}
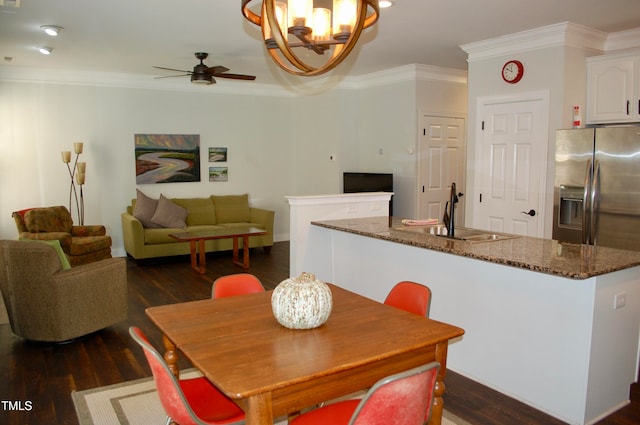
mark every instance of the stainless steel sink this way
{"type": "Point", "coordinates": [461, 233]}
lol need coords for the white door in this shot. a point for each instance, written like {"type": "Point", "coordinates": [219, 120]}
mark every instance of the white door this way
{"type": "Point", "coordinates": [442, 161]}
{"type": "Point", "coordinates": [512, 170]}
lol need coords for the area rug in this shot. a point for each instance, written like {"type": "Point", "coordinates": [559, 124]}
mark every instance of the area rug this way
{"type": "Point", "coordinates": [137, 403]}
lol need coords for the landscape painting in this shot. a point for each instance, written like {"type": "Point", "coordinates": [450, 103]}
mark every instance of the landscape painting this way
{"type": "Point", "coordinates": [167, 158]}
{"type": "Point", "coordinates": [218, 174]}
{"type": "Point", "coordinates": [217, 154]}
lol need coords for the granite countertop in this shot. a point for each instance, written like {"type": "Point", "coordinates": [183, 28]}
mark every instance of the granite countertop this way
{"type": "Point", "coordinates": [540, 255]}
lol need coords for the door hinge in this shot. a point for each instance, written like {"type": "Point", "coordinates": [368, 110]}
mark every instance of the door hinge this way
{"type": "Point", "coordinates": [424, 131]}
{"type": "Point", "coordinates": [481, 197]}
{"type": "Point", "coordinates": [482, 125]}
{"type": "Point", "coordinates": [422, 189]}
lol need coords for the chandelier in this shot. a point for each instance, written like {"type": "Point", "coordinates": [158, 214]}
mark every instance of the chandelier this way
{"type": "Point", "coordinates": [297, 24]}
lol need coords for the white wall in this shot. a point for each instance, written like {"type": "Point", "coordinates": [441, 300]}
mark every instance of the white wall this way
{"type": "Point", "coordinates": [324, 128]}
{"type": "Point", "coordinates": [386, 128]}
{"type": "Point", "coordinates": [279, 144]}
{"type": "Point", "coordinates": [41, 120]}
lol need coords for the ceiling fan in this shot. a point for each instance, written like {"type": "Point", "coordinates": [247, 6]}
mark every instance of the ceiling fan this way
{"type": "Point", "coordinates": [202, 74]}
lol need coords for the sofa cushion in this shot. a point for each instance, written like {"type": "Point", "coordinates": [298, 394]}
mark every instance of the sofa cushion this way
{"type": "Point", "coordinates": [232, 208]}
{"type": "Point", "coordinates": [50, 219]}
{"type": "Point", "coordinates": [88, 244]}
{"type": "Point", "coordinates": [201, 210]}
{"type": "Point", "coordinates": [55, 244]}
{"type": "Point", "coordinates": [144, 209]}
{"type": "Point", "coordinates": [169, 214]}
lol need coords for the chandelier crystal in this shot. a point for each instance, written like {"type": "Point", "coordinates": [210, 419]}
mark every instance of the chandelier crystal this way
{"type": "Point", "coordinates": [297, 24]}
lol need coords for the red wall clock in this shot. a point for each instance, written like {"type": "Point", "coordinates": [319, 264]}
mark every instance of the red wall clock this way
{"type": "Point", "coordinates": [512, 71]}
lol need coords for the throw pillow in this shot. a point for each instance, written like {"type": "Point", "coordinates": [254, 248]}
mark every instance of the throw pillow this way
{"type": "Point", "coordinates": [55, 244]}
{"type": "Point", "coordinates": [169, 214]}
{"type": "Point", "coordinates": [144, 209]}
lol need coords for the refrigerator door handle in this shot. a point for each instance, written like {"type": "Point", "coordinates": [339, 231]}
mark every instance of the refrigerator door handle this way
{"type": "Point", "coordinates": [586, 205]}
{"type": "Point", "coordinates": [595, 201]}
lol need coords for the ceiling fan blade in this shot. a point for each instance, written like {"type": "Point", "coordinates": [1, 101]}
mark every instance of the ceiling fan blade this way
{"type": "Point", "coordinates": [171, 76]}
{"type": "Point", "coordinates": [172, 69]}
{"type": "Point", "coordinates": [236, 76]}
{"type": "Point", "coordinates": [215, 70]}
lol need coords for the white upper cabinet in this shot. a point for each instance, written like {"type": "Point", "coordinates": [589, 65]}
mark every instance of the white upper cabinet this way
{"type": "Point", "coordinates": [613, 89]}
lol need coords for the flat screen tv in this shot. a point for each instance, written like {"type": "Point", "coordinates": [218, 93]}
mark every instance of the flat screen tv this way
{"type": "Point", "coordinates": [368, 182]}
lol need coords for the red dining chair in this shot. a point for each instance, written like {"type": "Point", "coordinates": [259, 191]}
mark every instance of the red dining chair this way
{"type": "Point", "coordinates": [410, 296]}
{"type": "Point", "coordinates": [187, 401]}
{"type": "Point", "coordinates": [236, 284]}
{"type": "Point", "coordinates": [402, 399]}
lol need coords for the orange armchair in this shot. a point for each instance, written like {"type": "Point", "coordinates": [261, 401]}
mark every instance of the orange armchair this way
{"type": "Point", "coordinates": [81, 244]}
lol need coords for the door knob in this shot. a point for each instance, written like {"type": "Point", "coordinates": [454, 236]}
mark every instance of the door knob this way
{"type": "Point", "coordinates": [531, 212]}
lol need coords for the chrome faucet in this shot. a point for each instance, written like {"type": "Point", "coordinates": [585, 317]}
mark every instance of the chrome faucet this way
{"type": "Point", "coordinates": [449, 211]}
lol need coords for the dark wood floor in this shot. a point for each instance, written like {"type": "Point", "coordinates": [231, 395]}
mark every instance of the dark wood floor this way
{"type": "Point", "coordinates": [45, 374]}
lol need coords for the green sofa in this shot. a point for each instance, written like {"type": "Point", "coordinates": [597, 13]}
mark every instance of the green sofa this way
{"type": "Point", "coordinates": [152, 240]}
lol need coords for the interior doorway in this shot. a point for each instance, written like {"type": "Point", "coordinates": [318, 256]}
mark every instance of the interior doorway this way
{"type": "Point", "coordinates": [511, 170]}
{"type": "Point", "coordinates": [442, 160]}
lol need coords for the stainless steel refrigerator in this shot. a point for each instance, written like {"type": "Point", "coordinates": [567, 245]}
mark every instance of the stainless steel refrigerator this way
{"type": "Point", "coordinates": [597, 187]}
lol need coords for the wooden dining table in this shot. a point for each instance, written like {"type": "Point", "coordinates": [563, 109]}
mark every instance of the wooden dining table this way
{"type": "Point", "coordinates": [270, 370]}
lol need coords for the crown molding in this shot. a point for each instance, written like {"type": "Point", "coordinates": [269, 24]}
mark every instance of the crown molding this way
{"type": "Point", "coordinates": [623, 40]}
{"type": "Point", "coordinates": [131, 81]}
{"type": "Point", "coordinates": [412, 72]}
{"type": "Point", "coordinates": [561, 34]}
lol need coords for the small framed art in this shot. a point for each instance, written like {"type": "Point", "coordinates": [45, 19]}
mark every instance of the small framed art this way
{"type": "Point", "coordinates": [217, 154]}
{"type": "Point", "coordinates": [218, 174]}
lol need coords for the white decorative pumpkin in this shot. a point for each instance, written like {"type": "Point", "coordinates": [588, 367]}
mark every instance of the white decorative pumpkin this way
{"type": "Point", "coordinates": [301, 303]}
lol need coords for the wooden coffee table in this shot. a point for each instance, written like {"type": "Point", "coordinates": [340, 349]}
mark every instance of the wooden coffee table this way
{"type": "Point", "coordinates": [197, 239]}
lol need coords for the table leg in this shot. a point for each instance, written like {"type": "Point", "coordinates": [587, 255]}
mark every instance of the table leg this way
{"type": "Point", "coordinates": [235, 250]}
{"type": "Point", "coordinates": [171, 356]}
{"type": "Point", "coordinates": [259, 410]}
{"type": "Point", "coordinates": [202, 269]}
{"type": "Point", "coordinates": [193, 251]}
{"type": "Point", "coordinates": [198, 264]}
{"type": "Point", "coordinates": [438, 402]}
{"type": "Point", "coordinates": [245, 252]}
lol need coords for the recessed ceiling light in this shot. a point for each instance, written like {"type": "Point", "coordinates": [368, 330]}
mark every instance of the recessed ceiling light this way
{"type": "Point", "coordinates": [52, 30]}
{"type": "Point", "coordinates": [382, 4]}
{"type": "Point", "coordinates": [45, 50]}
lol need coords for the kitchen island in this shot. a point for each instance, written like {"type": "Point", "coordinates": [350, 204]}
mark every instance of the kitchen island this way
{"type": "Point", "coordinates": [554, 325]}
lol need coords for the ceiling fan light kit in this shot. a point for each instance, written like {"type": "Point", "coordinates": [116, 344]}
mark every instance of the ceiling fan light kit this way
{"type": "Point", "coordinates": [202, 79]}
{"type": "Point", "coordinates": [297, 24]}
